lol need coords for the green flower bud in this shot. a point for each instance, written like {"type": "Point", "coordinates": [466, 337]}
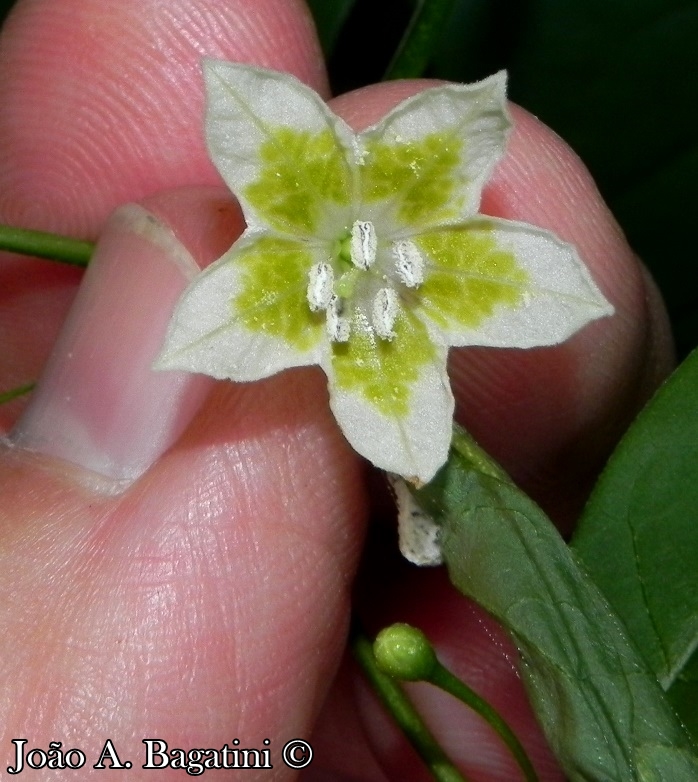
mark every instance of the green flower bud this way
{"type": "Point", "coordinates": [404, 652]}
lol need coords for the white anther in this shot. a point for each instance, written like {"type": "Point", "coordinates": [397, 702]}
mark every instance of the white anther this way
{"type": "Point", "coordinates": [409, 263]}
{"type": "Point", "coordinates": [363, 244]}
{"type": "Point", "coordinates": [385, 310]}
{"type": "Point", "coordinates": [337, 325]}
{"type": "Point", "coordinates": [320, 283]}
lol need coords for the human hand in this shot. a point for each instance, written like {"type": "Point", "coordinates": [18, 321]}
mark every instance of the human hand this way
{"type": "Point", "coordinates": [209, 599]}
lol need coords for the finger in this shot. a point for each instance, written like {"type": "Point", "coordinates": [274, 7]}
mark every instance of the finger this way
{"type": "Point", "coordinates": [99, 404]}
{"type": "Point", "coordinates": [551, 415]}
{"type": "Point", "coordinates": [219, 581]}
{"type": "Point", "coordinates": [36, 297]}
{"type": "Point", "coordinates": [224, 600]}
{"type": "Point", "coordinates": [34, 300]}
{"type": "Point", "coordinates": [103, 105]}
{"type": "Point", "coordinates": [214, 513]}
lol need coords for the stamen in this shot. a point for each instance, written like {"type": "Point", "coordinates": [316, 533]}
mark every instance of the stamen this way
{"type": "Point", "coordinates": [338, 327]}
{"type": "Point", "coordinates": [385, 309]}
{"type": "Point", "coordinates": [363, 244]}
{"type": "Point", "coordinates": [409, 263]}
{"type": "Point", "coordinates": [320, 286]}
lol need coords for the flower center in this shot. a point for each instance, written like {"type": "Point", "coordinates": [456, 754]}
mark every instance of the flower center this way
{"type": "Point", "coordinates": [332, 284]}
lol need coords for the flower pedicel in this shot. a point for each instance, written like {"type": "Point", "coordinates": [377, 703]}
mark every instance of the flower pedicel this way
{"type": "Point", "coordinates": [365, 253]}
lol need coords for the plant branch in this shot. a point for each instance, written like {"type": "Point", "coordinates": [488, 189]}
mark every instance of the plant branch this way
{"type": "Point", "coordinates": [403, 712]}
{"type": "Point", "coordinates": [54, 247]}
{"type": "Point", "coordinates": [14, 393]}
{"type": "Point", "coordinates": [441, 677]}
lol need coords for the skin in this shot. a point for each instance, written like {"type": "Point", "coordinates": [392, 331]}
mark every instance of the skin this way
{"type": "Point", "coordinates": [210, 598]}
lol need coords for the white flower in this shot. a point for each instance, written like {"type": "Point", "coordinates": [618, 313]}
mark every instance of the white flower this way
{"type": "Point", "coordinates": [364, 253]}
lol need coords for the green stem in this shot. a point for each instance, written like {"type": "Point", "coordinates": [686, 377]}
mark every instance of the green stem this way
{"type": "Point", "coordinates": [8, 396]}
{"type": "Point", "coordinates": [417, 45]}
{"type": "Point", "coordinates": [403, 712]}
{"type": "Point", "coordinates": [445, 680]}
{"type": "Point", "coordinates": [45, 245]}
{"type": "Point", "coordinates": [475, 456]}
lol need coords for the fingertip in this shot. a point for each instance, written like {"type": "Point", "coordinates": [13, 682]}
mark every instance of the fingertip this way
{"type": "Point", "coordinates": [206, 220]}
{"type": "Point", "coordinates": [366, 106]}
{"type": "Point", "coordinates": [543, 182]}
{"type": "Point", "coordinates": [103, 105]}
{"type": "Point", "coordinates": [99, 403]}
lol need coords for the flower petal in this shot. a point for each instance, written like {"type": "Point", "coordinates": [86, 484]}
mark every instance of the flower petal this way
{"type": "Point", "coordinates": [392, 398]}
{"type": "Point", "coordinates": [505, 284]}
{"type": "Point", "coordinates": [432, 154]}
{"type": "Point", "coordinates": [247, 317]}
{"type": "Point", "coordinates": [278, 147]}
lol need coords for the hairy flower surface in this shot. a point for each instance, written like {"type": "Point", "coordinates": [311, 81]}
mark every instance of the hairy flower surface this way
{"type": "Point", "coordinates": [364, 253]}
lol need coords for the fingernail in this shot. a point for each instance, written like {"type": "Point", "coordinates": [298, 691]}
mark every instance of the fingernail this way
{"type": "Point", "coordinates": [99, 404]}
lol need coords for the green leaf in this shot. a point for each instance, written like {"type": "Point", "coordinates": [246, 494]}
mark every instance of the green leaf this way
{"type": "Point", "coordinates": [657, 763]}
{"type": "Point", "coordinates": [639, 539]}
{"type": "Point", "coordinates": [683, 694]}
{"type": "Point", "coordinates": [603, 712]}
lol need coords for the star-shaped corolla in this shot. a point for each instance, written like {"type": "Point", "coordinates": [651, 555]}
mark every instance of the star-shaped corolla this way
{"type": "Point", "coordinates": [364, 253]}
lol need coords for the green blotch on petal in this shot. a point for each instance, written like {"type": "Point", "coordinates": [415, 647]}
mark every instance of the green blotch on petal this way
{"type": "Point", "coordinates": [300, 173]}
{"type": "Point", "coordinates": [468, 277]}
{"type": "Point", "coordinates": [383, 371]}
{"type": "Point", "coordinates": [422, 176]}
{"type": "Point", "coordinates": [273, 292]}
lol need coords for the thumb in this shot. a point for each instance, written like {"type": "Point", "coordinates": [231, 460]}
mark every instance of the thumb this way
{"type": "Point", "coordinates": [192, 588]}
